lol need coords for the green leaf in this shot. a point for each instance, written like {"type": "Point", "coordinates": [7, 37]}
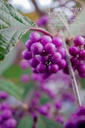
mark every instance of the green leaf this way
{"type": "Point", "coordinates": [8, 61]}
{"type": "Point", "coordinates": [44, 122]}
{"type": "Point", "coordinates": [26, 122]}
{"type": "Point", "coordinates": [12, 27]}
{"type": "Point", "coordinates": [12, 89]}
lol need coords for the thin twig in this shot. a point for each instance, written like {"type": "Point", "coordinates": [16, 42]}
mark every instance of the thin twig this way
{"type": "Point", "coordinates": [73, 79]}
{"type": "Point", "coordinates": [42, 31]}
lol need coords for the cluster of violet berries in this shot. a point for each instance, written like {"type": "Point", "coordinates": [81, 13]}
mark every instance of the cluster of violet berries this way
{"type": "Point", "coordinates": [45, 54]}
{"type": "Point", "coordinates": [77, 51]}
{"type": "Point", "coordinates": [6, 113]}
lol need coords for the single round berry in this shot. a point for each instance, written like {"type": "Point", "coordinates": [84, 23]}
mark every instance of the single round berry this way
{"type": "Point", "coordinates": [34, 62]}
{"type": "Point", "coordinates": [46, 39]}
{"type": "Point", "coordinates": [6, 114]}
{"type": "Point", "coordinates": [78, 40]}
{"type": "Point", "coordinates": [53, 68]}
{"type": "Point", "coordinates": [28, 44]}
{"type": "Point", "coordinates": [81, 68]}
{"type": "Point", "coordinates": [56, 58]}
{"type": "Point", "coordinates": [26, 55]}
{"type": "Point", "coordinates": [50, 48]}
{"type": "Point", "coordinates": [24, 78]}
{"type": "Point", "coordinates": [57, 41]}
{"type": "Point", "coordinates": [73, 50]}
{"type": "Point", "coordinates": [11, 123]}
{"type": "Point", "coordinates": [36, 48]}
{"type": "Point", "coordinates": [24, 64]}
{"type": "Point", "coordinates": [75, 61]}
{"type": "Point", "coordinates": [82, 54]}
{"type": "Point", "coordinates": [35, 36]}
{"type": "Point", "coordinates": [41, 68]}
{"type": "Point", "coordinates": [62, 51]}
{"type": "Point", "coordinates": [62, 64]}
{"type": "Point", "coordinates": [3, 95]}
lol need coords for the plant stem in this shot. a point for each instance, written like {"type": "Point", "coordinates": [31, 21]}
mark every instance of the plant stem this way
{"type": "Point", "coordinates": [73, 79]}
{"type": "Point", "coordinates": [42, 31]}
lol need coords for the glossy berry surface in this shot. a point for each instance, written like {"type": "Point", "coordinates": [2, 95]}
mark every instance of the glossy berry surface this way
{"type": "Point", "coordinates": [45, 54]}
{"type": "Point", "coordinates": [77, 52]}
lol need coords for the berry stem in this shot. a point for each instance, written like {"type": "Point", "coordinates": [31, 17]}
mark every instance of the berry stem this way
{"type": "Point", "coordinates": [42, 31]}
{"type": "Point", "coordinates": [73, 79]}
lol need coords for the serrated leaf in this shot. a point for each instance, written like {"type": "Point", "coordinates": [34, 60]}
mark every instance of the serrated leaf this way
{"type": "Point", "coordinates": [26, 122]}
{"type": "Point", "coordinates": [12, 89]}
{"type": "Point", "coordinates": [12, 27]}
{"type": "Point", "coordinates": [44, 122]}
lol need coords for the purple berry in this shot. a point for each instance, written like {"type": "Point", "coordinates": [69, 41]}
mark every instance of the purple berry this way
{"type": "Point", "coordinates": [41, 68]}
{"type": "Point", "coordinates": [46, 39]}
{"type": "Point", "coordinates": [82, 54]}
{"type": "Point", "coordinates": [56, 58]}
{"type": "Point", "coordinates": [62, 64]}
{"type": "Point", "coordinates": [82, 75]}
{"type": "Point", "coordinates": [37, 48]}
{"type": "Point", "coordinates": [81, 68]}
{"type": "Point", "coordinates": [11, 123]}
{"type": "Point", "coordinates": [53, 68]}
{"type": "Point", "coordinates": [26, 55]}
{"type": "Point", "coordinates": [75, 61]}
{"type": "Point", "coordinates": [6, 114]}
{"type": "Point", "coordinates": [50, 48]}
{"type": "Point", "coordinates": [28, 44]}
{"type": "Point", "coordinates": [24, 78]}
{"type": "Point", "coordinates": [78, 40]}
{"type": "Point", "coordinates": [57, 41]}
{"type": "Point", "coordinates": [3, 95]}
{"type": "Point", "coordinates": [62, 51]}
{"type": "Point", "coordinates": [35, 36]}
{"type": "Point", "coordinates": [34, 62]}
{"type": "Point", "coordinates": [73, 50]}
{"type": "Point", "coordinates": [24, 64]}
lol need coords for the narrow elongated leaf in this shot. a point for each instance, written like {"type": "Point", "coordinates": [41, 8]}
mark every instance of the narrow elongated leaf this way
{"type": "Point", "coordinates": [12, 89]}
{"type": "Point", "coordinates": [12, 27]}
{"type": "Point", "coordinates": [26, 122]}
{"type": "Point", "coordinates": [44, 122]}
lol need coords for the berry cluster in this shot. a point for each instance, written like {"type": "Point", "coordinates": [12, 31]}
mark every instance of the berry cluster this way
{"type": "Point", "coordinates": [6, 113]}
{"type": "Point", "coordinates": [77, 51]}
{"type": "Point", "coordinates": [45, 54]}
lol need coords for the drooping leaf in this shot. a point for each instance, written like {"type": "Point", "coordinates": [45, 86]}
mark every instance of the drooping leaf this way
{"type": "Point", "coordinates": [12, 27]}
{"type": "Point", "coordinates": [12, 89]}
{"type": "Point", "coordinates": [44, 122]}
{"type": "Point", "coordinates": [26, 122]}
